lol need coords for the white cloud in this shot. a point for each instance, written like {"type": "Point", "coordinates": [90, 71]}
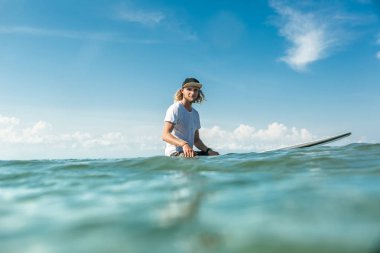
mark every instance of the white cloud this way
{"type": "Point", "coordinates": [169, 26]}
{"type": "Point", "coordinates": [37, 128]}
{"type": "Point", "coordinates": [145, 17]}
{"type": "Point", "coordinates": [72, 34]}
{"type": "Point", "coordinates": [40, 140]}
{"type": "Point", "coordinates": [243, 132]}
{"type": "Point", "coordinates": [247, 138]}
{"type": "Point", "coordinates": [57, 33]}
{"type": "Point", "coordinates": [34, 134]}
{"type": "Point", "coordinates": [8, 121]}
{"type": "Point", "coordinates": [308, 34]}
{"type": "Point", "coordinates": [12, 132]}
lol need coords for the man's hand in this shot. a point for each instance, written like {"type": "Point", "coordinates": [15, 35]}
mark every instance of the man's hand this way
{"type": "Point", "coordinates": [188, 151]}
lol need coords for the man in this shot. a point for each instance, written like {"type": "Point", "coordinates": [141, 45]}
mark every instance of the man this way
{"type": "Point", "coordinates": [182, 124]}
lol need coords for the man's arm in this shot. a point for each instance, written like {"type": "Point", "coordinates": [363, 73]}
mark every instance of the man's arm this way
{"type": "Point", "coordinates": [199, 144]}
{"type": "Point", "coordinates": [171, 139]}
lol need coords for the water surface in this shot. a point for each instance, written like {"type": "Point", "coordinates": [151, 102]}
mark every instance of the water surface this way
{"type": "Point", "coordinates": [321, 199]}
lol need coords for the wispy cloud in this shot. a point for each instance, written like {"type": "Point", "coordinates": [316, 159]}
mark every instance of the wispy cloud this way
{"type": "Point", "coordinates": [72, 34]}
{"type": "Point", "coordinates": [165, 22]}
{"type": "Point", "coordinates": [56, 33]}
{"type": "Point", "coordinates": [316, 29]}
{"type": "Point", "coordinates": [308, 34]}
{"type": "Point", "coordinates": [166, 27]}
{"type": "Point", "coordinates": [144, 17]}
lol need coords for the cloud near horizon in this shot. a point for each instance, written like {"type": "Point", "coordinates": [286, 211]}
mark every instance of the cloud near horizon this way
{"type": "Point", "coordinates": [245, 138]}
{"type": "Point", "coordinates": [309, 35]}
{"type": "Point", "coordinates": [12, 132]}
{"type": "Point", "coordinates": [41, 141]}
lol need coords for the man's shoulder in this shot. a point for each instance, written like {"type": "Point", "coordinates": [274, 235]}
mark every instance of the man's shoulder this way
{"type": "Point", "coordinates": [174, 109]}
{"type": "Point", "coordinates": [174, 106]}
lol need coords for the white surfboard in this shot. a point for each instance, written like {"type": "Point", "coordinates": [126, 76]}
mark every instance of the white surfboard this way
{"type": "Point", "coordinates": [317, 142]}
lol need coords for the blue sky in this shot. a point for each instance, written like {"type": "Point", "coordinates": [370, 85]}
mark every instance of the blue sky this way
{"type": "Point", "coordinates": [94, 78]}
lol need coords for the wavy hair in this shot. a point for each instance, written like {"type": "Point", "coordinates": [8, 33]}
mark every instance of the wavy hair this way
{"type": "Point", "coordinates": [178, 96]}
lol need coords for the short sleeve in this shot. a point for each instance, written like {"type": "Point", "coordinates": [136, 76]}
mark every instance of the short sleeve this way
{"type": "Point", "coordinates": [171, 115]}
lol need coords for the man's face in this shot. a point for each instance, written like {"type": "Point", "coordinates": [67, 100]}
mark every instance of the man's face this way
{"type": "Point", "coordinates": [190, 93]}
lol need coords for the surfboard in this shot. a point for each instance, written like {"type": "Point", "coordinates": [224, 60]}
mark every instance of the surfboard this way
{"type": "Point", "coordinates": [317, 142]}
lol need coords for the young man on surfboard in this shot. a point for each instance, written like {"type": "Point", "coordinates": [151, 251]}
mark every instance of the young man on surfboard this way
{"type": "Point", "coordinates": [182, 124]}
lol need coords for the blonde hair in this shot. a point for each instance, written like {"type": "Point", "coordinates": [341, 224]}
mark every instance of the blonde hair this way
{"type": "Point", "coordinates": [178, 96]}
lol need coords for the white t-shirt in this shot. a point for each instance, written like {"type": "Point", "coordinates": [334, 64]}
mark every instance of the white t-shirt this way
{"type": "Point", "coordinates": [185, 125]}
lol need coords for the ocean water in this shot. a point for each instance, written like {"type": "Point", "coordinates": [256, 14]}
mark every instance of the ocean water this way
{"type": "Point", "coordinates": [322, 199]}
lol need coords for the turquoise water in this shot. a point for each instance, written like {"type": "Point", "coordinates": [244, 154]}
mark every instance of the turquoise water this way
{"type": "Point", "coordinates": [324, 199]}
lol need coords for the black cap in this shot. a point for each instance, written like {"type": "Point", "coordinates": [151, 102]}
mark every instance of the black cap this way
{"type": "Point", "coordinates": [191, 82]}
